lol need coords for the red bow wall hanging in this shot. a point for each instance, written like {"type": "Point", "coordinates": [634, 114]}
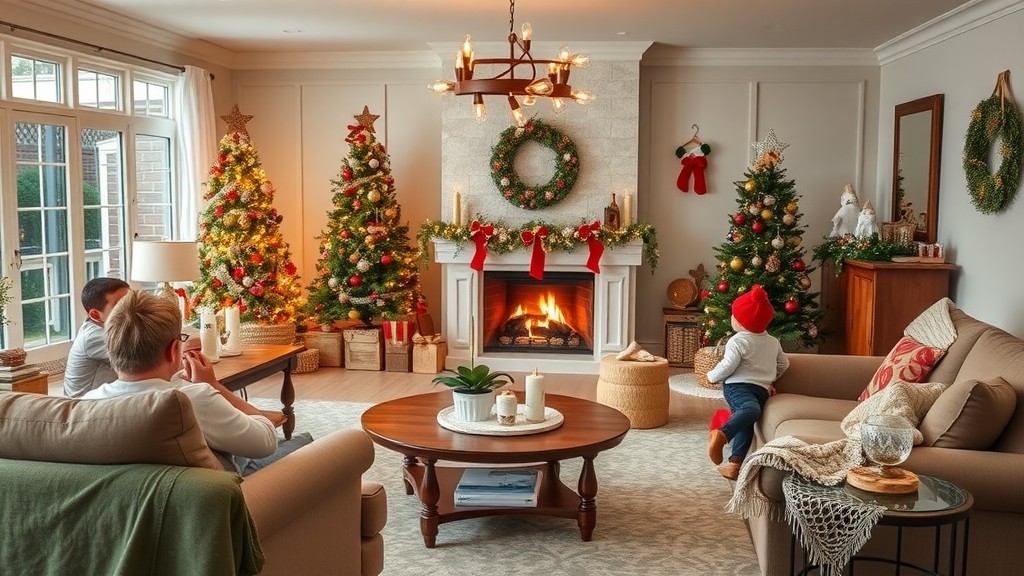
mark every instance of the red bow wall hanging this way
{"type": "Point", "coordinates": [589, 232]}
{"type": "Point", "coordinates": [693, 161]}
{"type": "Point", "coordinates": [537, 260]}
{"type": "Point", "coordinates": [480, 233]}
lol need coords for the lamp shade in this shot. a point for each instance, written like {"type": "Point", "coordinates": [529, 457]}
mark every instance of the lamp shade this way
{"type": "Point", "coordinates": [165, 261]}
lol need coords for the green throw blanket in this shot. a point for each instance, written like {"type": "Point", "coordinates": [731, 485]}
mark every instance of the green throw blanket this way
{"type": "Point", "coordinates": [129, 519]}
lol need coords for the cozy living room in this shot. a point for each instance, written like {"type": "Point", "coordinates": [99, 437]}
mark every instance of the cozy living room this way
{"type": "Point", "coordinates": [402, 288]}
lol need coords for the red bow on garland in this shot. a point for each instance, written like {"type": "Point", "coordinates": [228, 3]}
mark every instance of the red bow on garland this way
{"type": "Point", "coordinates": [589, 232]}
{"type": "Point", "coordinates": [694, 165]}
{"type": "Point", "coordinates": [537, 260]}
{"type": "Point", "coordinates": [480, 233]}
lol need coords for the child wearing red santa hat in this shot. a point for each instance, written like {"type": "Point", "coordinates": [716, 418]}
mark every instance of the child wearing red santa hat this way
{"type": "Point", "coordinates": [752, 361]}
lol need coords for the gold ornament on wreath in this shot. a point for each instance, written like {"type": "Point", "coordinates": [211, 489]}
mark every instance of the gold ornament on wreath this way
{"type": "Point", "coordinates": [994, 118]}
{"type": "Point", "coordinates": [511, 187]}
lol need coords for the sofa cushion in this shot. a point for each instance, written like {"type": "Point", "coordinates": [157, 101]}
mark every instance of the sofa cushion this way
{"type": "Point", "coordinates": [970, 415]}
{"type": "Point", "coordinates": [156, 428]}
{"type": "Point", "coordinates": [999, 354]}
{"type": "Point", "coordinates": [910, 400]}
{"type": "Point", "coordinates": [373, 513]}
{"type": "Point", "coordinates": [811, 431]}
{"type": "Point", "coordinates": [909, 361]}
{"type": "Point", "coordinates": [782, 408]}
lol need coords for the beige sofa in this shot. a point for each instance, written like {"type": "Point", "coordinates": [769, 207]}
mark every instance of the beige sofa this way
{"type": "Point", "coordinates": [817, 392]}
{"type": "Point", "coordinates": [135, 475]}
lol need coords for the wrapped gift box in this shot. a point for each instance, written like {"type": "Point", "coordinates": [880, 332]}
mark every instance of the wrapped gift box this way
{"type": "Point", "coordinates": [397, 345]}
{"type": "Point", "coordinates": [329, 345]}
{"type": "Point", "coordinates": [428, 354]}
{"type": "Point", "coordinates": [364, 348]}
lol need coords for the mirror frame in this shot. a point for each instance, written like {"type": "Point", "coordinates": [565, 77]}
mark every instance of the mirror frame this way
{"type": "Point", "coordinates": [931, 104]}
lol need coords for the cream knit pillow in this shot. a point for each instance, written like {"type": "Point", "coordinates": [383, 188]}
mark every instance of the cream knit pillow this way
{"type": "Point", "coordinates": [910, 400]}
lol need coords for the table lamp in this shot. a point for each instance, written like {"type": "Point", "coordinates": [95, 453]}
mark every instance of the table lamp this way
{"type": "Point", "coordinates": [165, 262]}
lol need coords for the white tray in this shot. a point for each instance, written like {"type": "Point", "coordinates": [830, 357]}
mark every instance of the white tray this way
{"type": "Point", "coordinates": [552, 419]}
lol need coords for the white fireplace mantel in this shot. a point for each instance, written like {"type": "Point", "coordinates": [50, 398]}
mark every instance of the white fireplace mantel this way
{"type": "Point", "coordinates": [614, 304]}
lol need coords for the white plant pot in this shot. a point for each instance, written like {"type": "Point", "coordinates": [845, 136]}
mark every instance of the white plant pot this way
{"type": "Point", "coordinates": [473, 407]}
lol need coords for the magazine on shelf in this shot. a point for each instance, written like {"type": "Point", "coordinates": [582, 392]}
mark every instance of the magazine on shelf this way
{"type": "Point", "coordinates": [23, 371]}
{"type": "Point", "coordinates": [506, 487]}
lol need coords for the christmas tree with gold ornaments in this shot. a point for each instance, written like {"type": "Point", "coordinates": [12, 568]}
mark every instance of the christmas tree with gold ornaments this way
{"type": "Point", "coordinates": [763, 246]}
{"type": "Point", "coordinates": [366, 268]}
{"type": "Point", "coordinates": [244, 260]}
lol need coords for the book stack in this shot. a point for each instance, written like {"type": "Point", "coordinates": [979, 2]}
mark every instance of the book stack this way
{"type": "Point", "coordinates": [11, 375]}
{"type": "Point", "coordinates": [504, 487]}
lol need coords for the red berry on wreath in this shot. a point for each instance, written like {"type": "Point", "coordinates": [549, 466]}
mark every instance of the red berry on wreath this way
{"type": "Point", "coordinates": [758, 227]}
{"type": "Point", "coordinates": [723, 286]}
{"type": "Point", "coordinates": [799, 265]}
{"type": "Point", "coordinates": [355, 281]}
{"type": "Point", "coordinates": [791, 306]}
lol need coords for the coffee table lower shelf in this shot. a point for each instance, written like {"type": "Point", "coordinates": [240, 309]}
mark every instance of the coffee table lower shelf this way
{"type": "Point", "coordinates": [435, 488]}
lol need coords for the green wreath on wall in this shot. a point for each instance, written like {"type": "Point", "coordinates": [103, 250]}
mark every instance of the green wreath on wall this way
{"type": "Point", "coordinates": [994, 117]}
{"type": "Point", "coordinates": [503, 172]}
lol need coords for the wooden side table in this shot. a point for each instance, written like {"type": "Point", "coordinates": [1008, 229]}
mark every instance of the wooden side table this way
{"type": "Point", "coordinates": [682, 335]}
{"type": "Point", "coordinates": [37, 383]}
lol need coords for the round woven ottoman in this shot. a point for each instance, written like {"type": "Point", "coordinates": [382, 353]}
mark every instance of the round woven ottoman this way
{"type": "Point", "coordinates": [637, 389]}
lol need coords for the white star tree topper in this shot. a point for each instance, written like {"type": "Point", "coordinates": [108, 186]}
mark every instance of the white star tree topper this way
{"type": "Point", "coordinates": [769, 145]}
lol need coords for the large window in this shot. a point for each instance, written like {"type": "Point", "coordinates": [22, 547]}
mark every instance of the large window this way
{"type": "Point", "coordinates": [99, 90]}
{"type": "Point", "coordinates": [103, 203]}
{"type": "Point", "coordinates": [35, 79]}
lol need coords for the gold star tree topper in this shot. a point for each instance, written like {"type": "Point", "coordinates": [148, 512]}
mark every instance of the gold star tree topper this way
{"type": "Point", "coordinates": [366, 119]}
{"type": "Point", "coordinates": [236, 120]}
{"type": "Point", "coordinates": [770, 145]}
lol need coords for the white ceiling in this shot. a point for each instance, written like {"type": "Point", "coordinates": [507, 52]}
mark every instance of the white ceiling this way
{"type": "Point", "coordinates": [375, 25]}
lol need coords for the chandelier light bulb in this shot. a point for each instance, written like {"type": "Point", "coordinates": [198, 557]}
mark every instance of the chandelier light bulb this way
{"type": "Point", "coordinates": [580, 60]}
{"type": "Point", "coordinates": [517, 112]}
{"type": "Point", "coordinates": [540, 87]}
{"type": "Point", "coordinates": [479, 110]}
{"type": "Point", "coordinates": [557, 105]}
{"type": "Point", "coordinates": [527, 32]}
{"type": "Point", "coordinates": [563, 53]}
{"type": "Point", "coordinates": [529, 100]}
{"type": "Point", "coordinates": [441, 86]}
{"type": "Point", "coordinates": [467, 47]}
{"type": "Point", "coordinates": [582, 96]}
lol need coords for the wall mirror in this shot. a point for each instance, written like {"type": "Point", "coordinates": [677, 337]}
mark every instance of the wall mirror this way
{"type": "Point", "coordinates": [917, 148]}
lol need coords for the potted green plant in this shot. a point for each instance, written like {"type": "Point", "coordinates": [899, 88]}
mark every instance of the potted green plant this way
{"type": "Point", "coordinates": [473, 390]}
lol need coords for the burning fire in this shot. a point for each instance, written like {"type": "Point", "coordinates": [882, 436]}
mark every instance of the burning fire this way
{"type": "Point", "coordinates": [549, 311]}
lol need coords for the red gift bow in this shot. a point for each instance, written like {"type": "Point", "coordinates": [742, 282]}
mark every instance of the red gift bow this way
{"type": "Point", "coordinates": [537, 239]}
{"type": "Point", "coordinates": [480, 233]}
{"type": "Point", "coordinates": [693, 165]}
{"type": "Point", "coordinates": [588, 232]}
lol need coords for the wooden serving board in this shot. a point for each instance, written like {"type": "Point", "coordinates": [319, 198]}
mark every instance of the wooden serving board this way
{"type": "Point", "coordinates": [868, 479]}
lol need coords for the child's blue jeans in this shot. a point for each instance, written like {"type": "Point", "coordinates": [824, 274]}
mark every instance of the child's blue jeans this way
{"type": "Point", "coordinates": [745, 401]}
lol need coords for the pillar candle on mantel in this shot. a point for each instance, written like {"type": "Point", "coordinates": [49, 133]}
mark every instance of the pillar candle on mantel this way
{"type": "Point", "coordinates": [535, 397]}
{"type": "Point", "coordinates": [456, 208]}
{"type": "Point", "coordinates": [208, 337]}
{"type": "Point", "coordinates": [233, 326]}
{"type": "Point", "coordinates": [627, 209]}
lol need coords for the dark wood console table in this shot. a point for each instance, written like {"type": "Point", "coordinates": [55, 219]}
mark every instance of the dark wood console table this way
{"type": "Point", "coordinates": [256, 362]}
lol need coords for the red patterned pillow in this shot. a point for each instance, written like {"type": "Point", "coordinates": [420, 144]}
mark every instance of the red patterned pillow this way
{"type": "Point", "coordinates": [909, 361]}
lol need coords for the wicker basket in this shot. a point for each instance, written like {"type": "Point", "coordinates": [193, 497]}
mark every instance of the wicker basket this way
{"type": "Point", "coordinates": [307, 361]}
{"type": "Point", "coordinates": [681, 343]}
{"type": "Point", "coordinates": [12, 357]}
{"type": "Point", "coordinates": [704, 360]}
{"type": "Point", "coordinates": [254, 333]}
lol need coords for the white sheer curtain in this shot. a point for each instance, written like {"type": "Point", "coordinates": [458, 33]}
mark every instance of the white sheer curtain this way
{"type": "Point", "coordinates": [197, 145]}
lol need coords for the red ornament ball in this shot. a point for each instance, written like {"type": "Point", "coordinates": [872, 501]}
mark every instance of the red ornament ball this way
{"type": "Point", "coordinates": [344, 234]}
{"type": "Point", "coordinates": [739, 218]}
{"type": "Point", "coordinates": [355, 281]}
{"type": "Point", "coordinates": [256, 258]}
{"type": "Point", "coordinates": [357, 204]}
{"type": "Point", "coordinates": [723, 286]}
{"type": "Point", "coordinates": [799, 266]}
{"type": "Point", "coordinates": [758, 227]}
{"type": "Point", "coordinates": [385, 259]}
{"type": "Point", "coordinates": [705, 293]}
{"type": "Point", "coordinates": [346, 173]}
{"type": "Point", "coordinates": [791, 306]}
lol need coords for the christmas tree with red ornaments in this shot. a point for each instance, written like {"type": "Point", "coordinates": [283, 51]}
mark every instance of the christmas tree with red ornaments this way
{"type": "Point", "coordinates": [244, 260]}
{"type": "Point", "coordinates": [763, 246]}
{"type": "Point", "coordinates": [366, 268]}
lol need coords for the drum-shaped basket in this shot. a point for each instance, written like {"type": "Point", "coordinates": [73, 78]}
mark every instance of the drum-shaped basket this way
{"type": "Point", "coordinates": [704, 360]}
{"type": "Point", "coordinates": [307, 361]}
{"type": "Point", "coordinates": [12, 357]}
{"type": "Point", "coordinates": [254, 333]}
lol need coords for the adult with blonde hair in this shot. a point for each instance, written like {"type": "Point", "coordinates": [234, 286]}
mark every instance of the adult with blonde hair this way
{"type": "Point", "coordinates": [144, 339]}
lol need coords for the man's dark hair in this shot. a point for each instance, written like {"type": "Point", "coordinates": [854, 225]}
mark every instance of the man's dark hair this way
{"type": "Point", "coordinates": [95, 293]}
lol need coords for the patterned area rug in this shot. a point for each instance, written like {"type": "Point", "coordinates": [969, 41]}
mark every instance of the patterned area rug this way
{"type": "Point", "coordinates": [660, 512]}
{"type": "Point", "coordinates": [685, 383]}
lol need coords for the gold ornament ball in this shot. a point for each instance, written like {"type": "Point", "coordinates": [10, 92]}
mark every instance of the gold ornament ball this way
{"type": "Point", "coordinates": [369, 240]}
{"type": "Point", "coordinates": [737, 237]}
{"type": "Point", "coordinates": [791, 208]}
{"type": "Point", "coordinates": [354, 258]}
{"type": "Point", "coordinates": [767, 214]}
{"type": "Point", "coordinates": [373, 196]}
{"type": "Point", "coordinates": [795, 241]}
{"type": "Point", "coordinates": [353, 315]}
{"type": "Point", "coordinates": [391, 213]}
{"type": "Point", "coordinates": [736, 264]}
{"type": "Point", "coordinates": [749, 185]}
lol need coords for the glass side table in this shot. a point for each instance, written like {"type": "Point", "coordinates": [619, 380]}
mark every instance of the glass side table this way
{"type": "Point", "coordinates": [938, 503]}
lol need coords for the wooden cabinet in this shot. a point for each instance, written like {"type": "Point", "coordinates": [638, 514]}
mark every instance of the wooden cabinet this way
{"type": "Point", "coordinates": [868, 306]}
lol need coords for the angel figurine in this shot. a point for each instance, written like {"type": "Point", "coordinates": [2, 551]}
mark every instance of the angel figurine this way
{"type": "Point", "coordinates": [845, 220]}
{"type": "Point", "coordinates": [867, 224]}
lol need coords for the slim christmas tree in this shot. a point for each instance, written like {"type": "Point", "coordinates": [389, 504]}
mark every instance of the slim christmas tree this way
{"type": "Point", "coordinates": [366, 267]}
{"type": "Point", "coordinates": [763, 247]}
{"type": "Point", "coordinates": [245, 261]}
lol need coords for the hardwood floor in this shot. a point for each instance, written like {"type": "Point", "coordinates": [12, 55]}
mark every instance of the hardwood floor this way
{"type": "Point", "coordinates": [338, 384]}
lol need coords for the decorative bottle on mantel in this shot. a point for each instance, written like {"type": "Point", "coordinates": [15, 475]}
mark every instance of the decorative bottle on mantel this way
{"type": "Point", "coordinates": [611, 214]}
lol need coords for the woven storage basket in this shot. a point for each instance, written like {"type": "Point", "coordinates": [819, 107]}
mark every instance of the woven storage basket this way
{"type": "Point", "coordinates": [683, 341]}
{"type": "Point", "coordinates": [254, 333]}
{"type": "Point", "coordinates": [307, 361]}
{"type": "Point", "coordinates": [706, 359]}
{"type": "Point", "coordinates": [12, 357]}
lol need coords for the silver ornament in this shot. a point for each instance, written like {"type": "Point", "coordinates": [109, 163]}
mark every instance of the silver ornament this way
{"type": "Point", "coordinates": [778, 242]}
{"type": "Point", "coordinates": [247, 281]}
{"type": "Point", "coordinates": [332, 282]}
{"type": "Point", "coordinates": [373, 163]}
{"type": "Point", "coordinates": [363, 265]}
{"type": "Point", "coordinates": [756, 261]}
{"type": "Point", "coordinates": [769, 200]}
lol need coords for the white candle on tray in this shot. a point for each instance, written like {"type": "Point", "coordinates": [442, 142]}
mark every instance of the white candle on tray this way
{"type": "Point", "coordinates": [208, 337]}
{"type": "Point", "coordinates": [505, 407]}
{"type": "Point", "coordinates": [233, 326]}
{"type": "Point", "coordinates": [535, 397]}
{"type": "Point", "coordinates": [456, 207]}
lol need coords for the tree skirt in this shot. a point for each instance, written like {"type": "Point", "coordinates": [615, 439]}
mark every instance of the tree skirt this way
{"type": "Point", "coordinates": [685, 383]}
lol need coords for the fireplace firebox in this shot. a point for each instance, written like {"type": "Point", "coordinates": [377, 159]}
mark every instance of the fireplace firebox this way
{"type": "Point", "coordinates": [554, 315]}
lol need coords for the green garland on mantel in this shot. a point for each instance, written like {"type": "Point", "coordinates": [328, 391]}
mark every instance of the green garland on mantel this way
{"type": "Point", "coordinates": [871, 249]}
{"type": "Point", "coordinates": [994, 117]}
{"type": "Point", "coordinates": [561, 237]}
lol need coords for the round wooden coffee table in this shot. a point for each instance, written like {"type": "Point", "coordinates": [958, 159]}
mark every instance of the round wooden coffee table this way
{"type": "Point", "coordinates": [409, 426]}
